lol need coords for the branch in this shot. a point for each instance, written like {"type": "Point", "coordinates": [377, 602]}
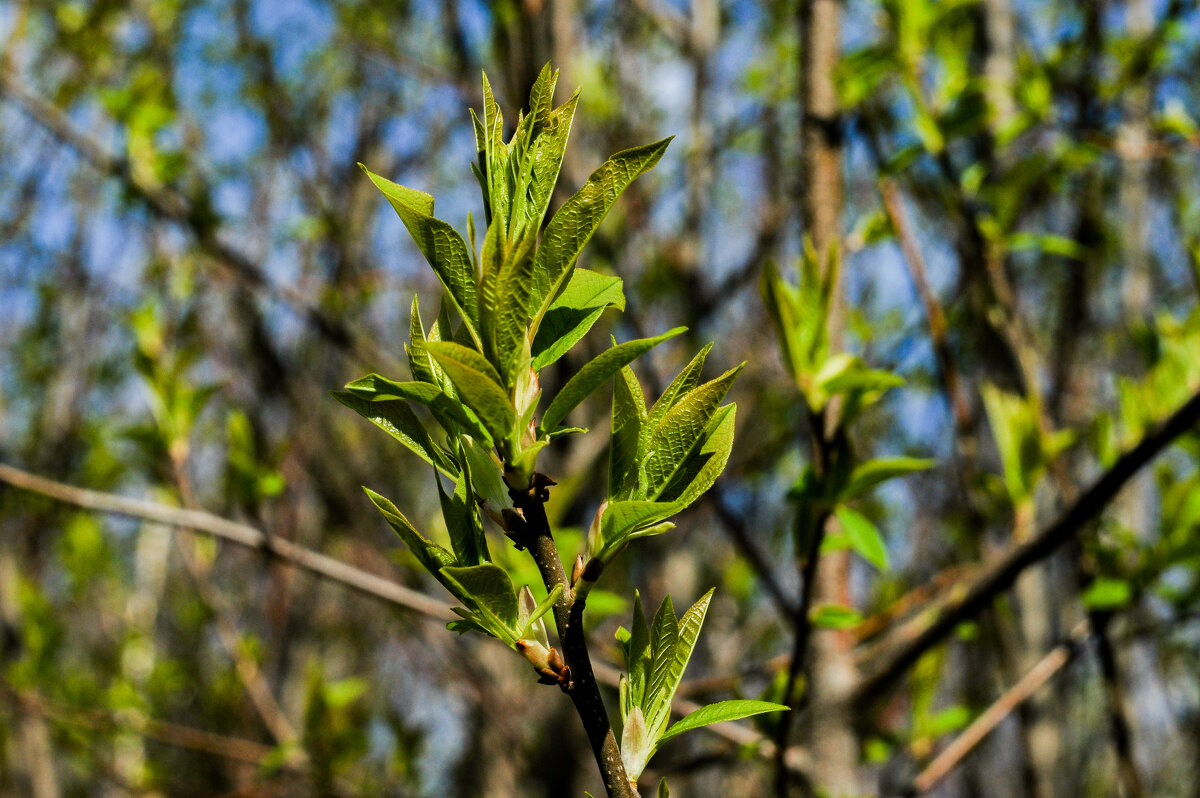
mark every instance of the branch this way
{"type": "Point", "coordinates": [172, 734]}
{"type": "Point", "coordinates": [952, 755]}
{"type": "Point", "coordinates": [580, 682]}
{"type": "Point", "coordinates": [735, 527]}
{"type": "Point", "coordinates": [241, 534]}
{"type": "Point", "coordinates": [960, 405]}
{"type": "Point", "coordinates": [993, 579]}
{"type": "Point", "coordinates": [172, 205]}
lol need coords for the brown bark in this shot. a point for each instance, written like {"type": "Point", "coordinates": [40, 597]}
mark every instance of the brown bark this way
{"type": "Point", "coordinates": [829, 730]}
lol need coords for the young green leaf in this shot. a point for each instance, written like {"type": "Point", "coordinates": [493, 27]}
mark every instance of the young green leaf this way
{"type": "Point", "coordinates": [449, 412]}
{"type": "Point", "coordinates": [636, 744]}
{"type": "Point", "coordinates": [835, 616]}
{"type": "Point", "coordinates": [685, 381]}
{"type": "Point", "coordinates": [549, 144]}
{"type": "Point", "coordinates": [530, 618]}
{"type": "Point", "coordinates": [869, 474]}
{"type": "Point", "coordinates": [461, 513]}
{"type": "Point", "coordinates": [638, 662]}
{"type": "Point", "coordinates": [706, 462]}
{"type": "Point", "coordinates": [504, 306]}
{"type": "Point", "coordinates": [622, 518]}
{"type": "Point", "coordinates": [572, 314]}
{"type": "Point", "coordinates": [491, 591]}
{"type": "Point", "coordinates": [487, 475]}
{"type": "Point", "coordinates": [664, 637]}
{"type": "Point", "coordinates": [595, 373]}
{"type": "Point", "coordinates": [679, 433]}
{"type": "Point", "coordinates": [623, 521]}
{"type": "Point", "coordinates": [397, 419]}
{"type": "Point", "coordinates": [431, 556]}
{"type": "Point", "coordinates": [718, 713]}
{"type": "Point", "coordinates": [440, 243]}
{"type": "Point", "coordinates": [1107, 594]}
{"type": "Point", "coordinates": [863, 537]}
{"type": "Point", "coordinates": [419, 362]}
{"type": "Point", "coordinates": [628, 420]}
{"type": "Point", "coordinates": [572, 227]}
{"type": "Point", "coordinates": [478, 385]}
{"type": "Point", "coordinates": [783, 306]}
{"type": "Point", "coordinates": [688, 631]}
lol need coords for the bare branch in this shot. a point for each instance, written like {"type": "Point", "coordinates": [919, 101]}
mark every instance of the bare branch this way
{"type": "Point", "coordinates": [172, 734]}
{"type": "Point", "coordinates": [952, 755]}
{"type": "Point", "coordinates": [959, 403]}
{"type": "Point", "coordinates": [241, 534]}
{"type": "Point", "coordinates": [991, 580]}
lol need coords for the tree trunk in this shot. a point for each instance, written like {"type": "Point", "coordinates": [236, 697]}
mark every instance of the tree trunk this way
{"type": "Point", "coordinates": [831, 672]}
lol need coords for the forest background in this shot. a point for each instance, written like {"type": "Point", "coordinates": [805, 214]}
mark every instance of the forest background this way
{"type": "Point", "coordinates": [196, 598]}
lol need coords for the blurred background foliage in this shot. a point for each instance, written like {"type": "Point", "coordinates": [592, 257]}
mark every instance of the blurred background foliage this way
{"type": "Point", "coordinates": [190, 260]}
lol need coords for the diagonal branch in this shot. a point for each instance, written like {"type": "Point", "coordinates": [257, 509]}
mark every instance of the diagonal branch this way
{"type": "Point", "coordinates": [977, 594]}
{"type": "Point", "coordinates": [172, 734]}
{"type": "Point", "coordinates": [241, 534]}
{"type": "Point", "coordinates": [935, 316]}
{"type": "Point", "coordinates": [952, 755]}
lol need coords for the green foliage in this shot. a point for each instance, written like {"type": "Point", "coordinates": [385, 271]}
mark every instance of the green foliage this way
{"type": "Point", "coordinates": [835, 616]}
{"type": "Point", "coordinates": [800, 314]}
{"type": "Point", "coordinates": [859, 534]}
{"type": "Point", "coordinates": [663, 459]}
{"type": "Point", "coordinates": [656, 655]}
{"type": "Point", "coordinates": [1026, 450]}
{"type": "Point", "coordinates": [520, 304]}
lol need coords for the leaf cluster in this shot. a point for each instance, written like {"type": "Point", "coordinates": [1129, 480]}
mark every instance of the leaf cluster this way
{"type": "Point", "coordinates": [656, 655]}
{"type": "Point", "coordinates": [512, 307]}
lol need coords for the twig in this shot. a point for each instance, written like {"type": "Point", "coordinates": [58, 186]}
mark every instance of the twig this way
{"type": "Point", "coordinates": [802, 628]}
{"type": "Point", "coordinates": [982, 726]}
{"type": "Point", "coordinates": [1121, 728]}
{"type": "Point", "coordinates": [735, 526]}
{"type": "Point", "coordinates": [934, 315]}
{"type": "Point", "coordinates": [997, 577]}
{"type": "Point", "coordinates": [241, 534]}
{"type": "Point", "coordinates": [161, 731]}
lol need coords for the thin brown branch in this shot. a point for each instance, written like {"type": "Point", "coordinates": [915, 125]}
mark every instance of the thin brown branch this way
{"type": "Point", "coordinates": [802, 629]}
{"type": "Point", "coordinates": [1118, 718]}
{"type": "Point", "coordinates": [960, 405]}
{"type": "Point", "coordinates": [735, 527]}
{"type": "Point", "coordinates": [953, 754]}
{"type": "Point", "coordinates": [241, 534]}
{"type": "Point", "coordinates": [991, 580]}
{"type": "Point", "coordinates": [172, 734]}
